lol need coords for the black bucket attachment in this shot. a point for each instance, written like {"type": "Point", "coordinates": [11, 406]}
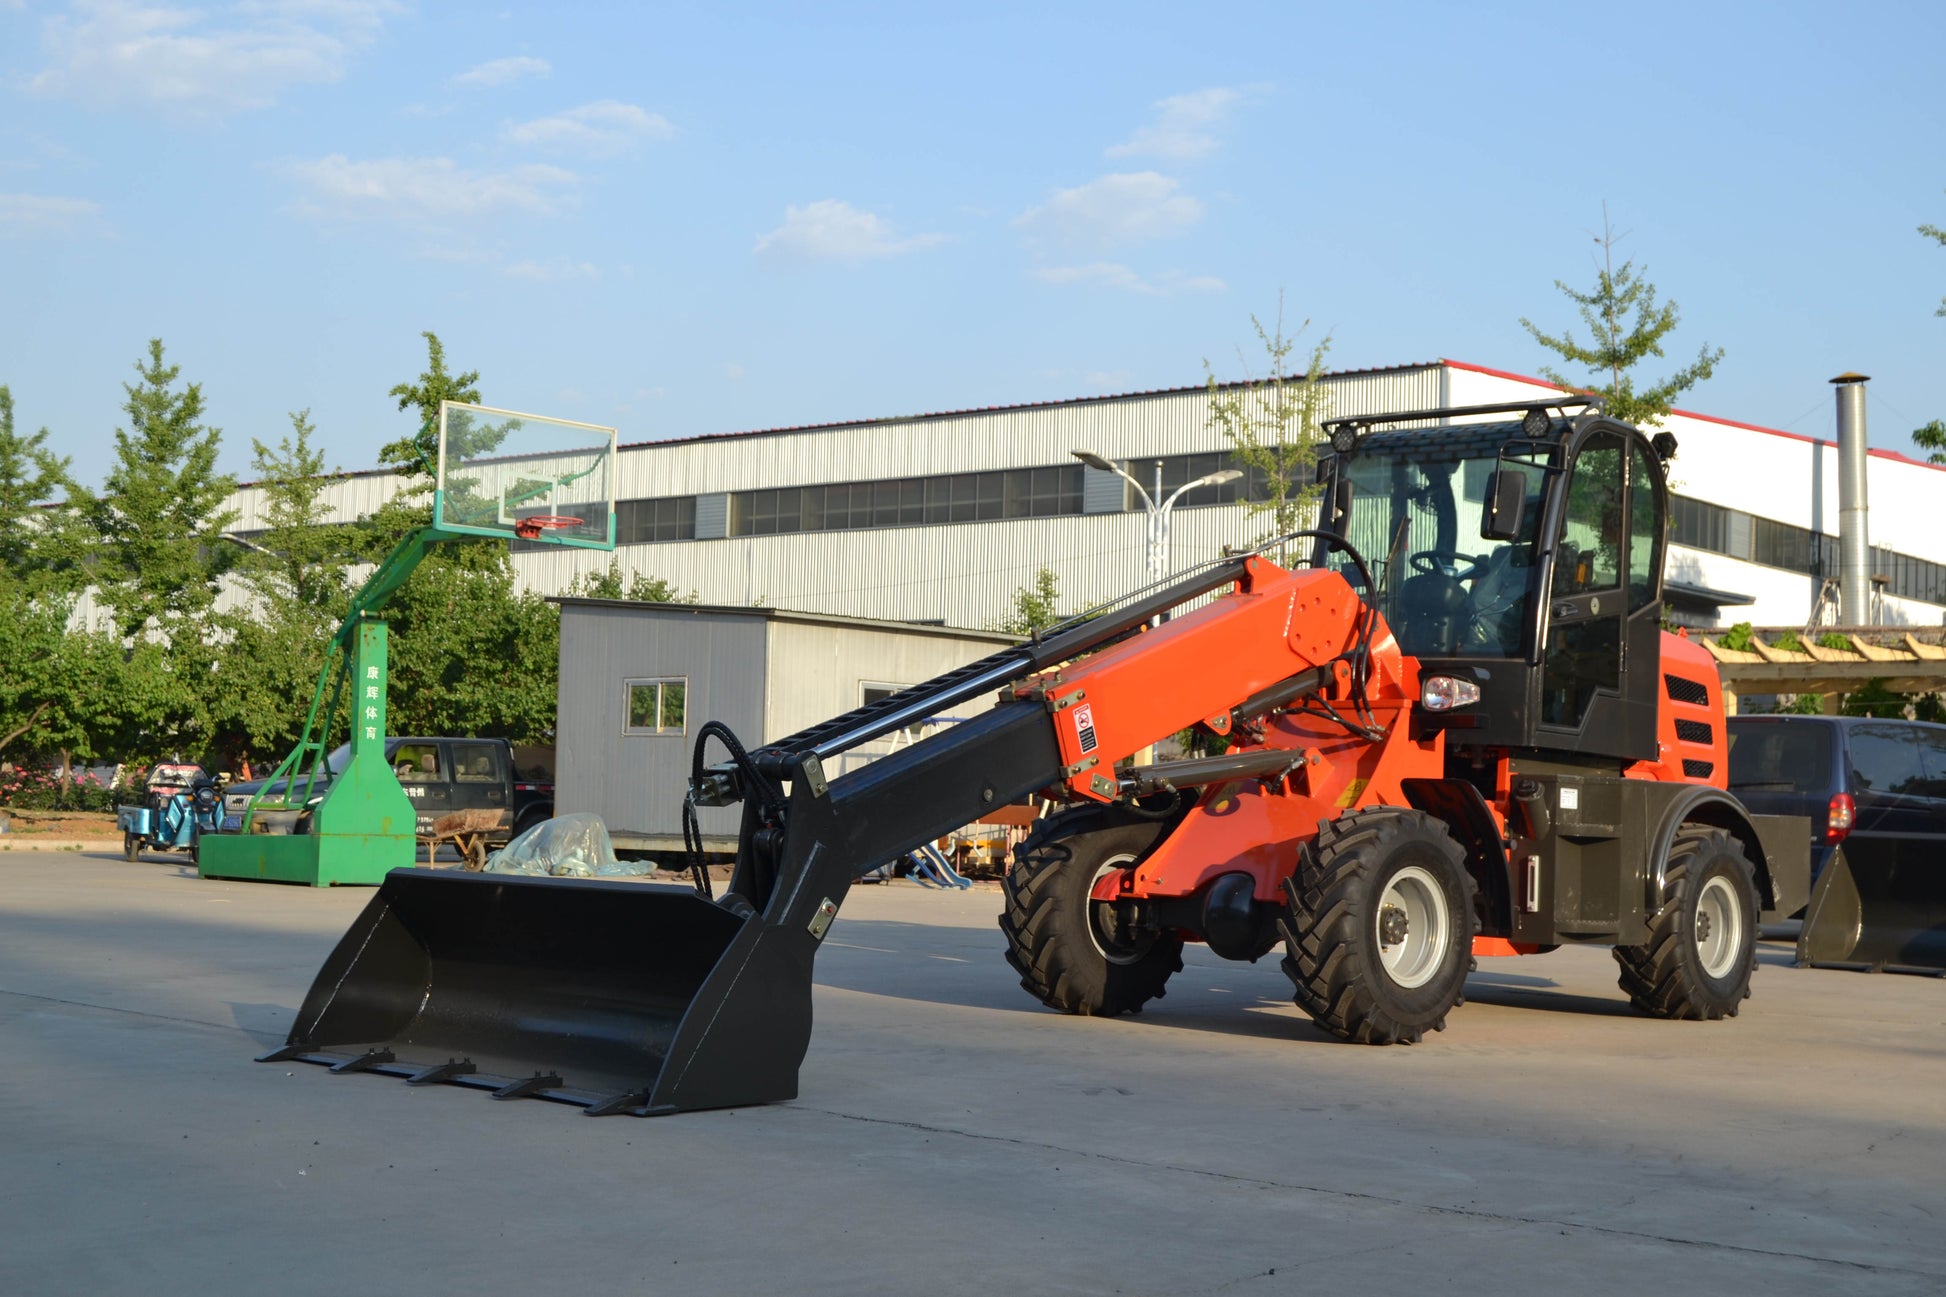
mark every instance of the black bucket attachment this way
{"type": "Point", "coordinates": [620, 997]}
{"type": "Point", "coordinates": [1879, 906]}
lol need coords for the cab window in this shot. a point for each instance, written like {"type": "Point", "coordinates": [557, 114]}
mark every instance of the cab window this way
{"type": "Point", "coordinates": [418, 763]}
{"type": "Point", "coordinates": [1589, 556]}
{"type": "Point", "coordinates": [474, 763]}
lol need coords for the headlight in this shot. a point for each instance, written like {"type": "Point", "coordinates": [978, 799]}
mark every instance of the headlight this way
{"type": "Point", "coordinates": [1443, 693]}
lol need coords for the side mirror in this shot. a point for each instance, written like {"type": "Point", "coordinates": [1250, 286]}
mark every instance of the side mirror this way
{"type": "Point", "coordinates": [1506, 498]}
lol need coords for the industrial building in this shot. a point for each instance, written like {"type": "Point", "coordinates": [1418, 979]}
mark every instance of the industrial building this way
{"type": "Point", "coordinates": [938, 518]}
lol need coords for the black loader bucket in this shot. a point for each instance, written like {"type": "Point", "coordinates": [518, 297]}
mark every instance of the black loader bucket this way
{"type": "Point", "coordinates": [1879, 906]}
{"type": "Point", "coordinates": [621, 997]}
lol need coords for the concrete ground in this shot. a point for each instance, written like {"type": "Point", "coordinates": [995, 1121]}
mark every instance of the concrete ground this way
{"type": "Point", "coordinates": [952, 1135]}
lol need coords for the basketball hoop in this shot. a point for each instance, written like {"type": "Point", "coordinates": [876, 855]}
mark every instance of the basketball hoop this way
{"type": "Point", "coordinates": [531, 528]}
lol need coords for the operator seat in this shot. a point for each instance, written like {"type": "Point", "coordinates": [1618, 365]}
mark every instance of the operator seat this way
{"type": "Point", "coordinates": [1432, 612]}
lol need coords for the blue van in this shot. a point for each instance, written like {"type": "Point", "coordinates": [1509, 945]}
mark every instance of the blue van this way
{"type": "Point", "coordinates": [1854, 776]}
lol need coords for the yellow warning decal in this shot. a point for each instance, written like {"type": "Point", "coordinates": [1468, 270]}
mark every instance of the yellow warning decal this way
{"type": "Point", "coordinates": [1351, 793]}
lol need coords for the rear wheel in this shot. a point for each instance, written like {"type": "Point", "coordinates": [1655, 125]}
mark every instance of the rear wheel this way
{"type": "Point", "coordinates": [1380, 933]}
{"type": "Point", "coordinates": [1074, 953]}
{"type": "Point", "coordinates": [1702, 945]}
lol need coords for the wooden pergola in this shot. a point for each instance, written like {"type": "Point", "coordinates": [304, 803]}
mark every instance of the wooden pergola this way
{"type": "Point", "coordinates": [1905, 660]}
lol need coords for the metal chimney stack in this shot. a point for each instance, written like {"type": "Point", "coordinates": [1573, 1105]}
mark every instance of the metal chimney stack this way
{"type": "Point", "coordinates": [1854, 533]}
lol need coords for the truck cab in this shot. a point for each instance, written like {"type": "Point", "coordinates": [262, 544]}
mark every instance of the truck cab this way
{"type": "Point", "coordinates": [439, 775]}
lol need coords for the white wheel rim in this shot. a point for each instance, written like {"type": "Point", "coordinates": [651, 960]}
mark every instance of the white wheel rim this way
{"type": "Point", "coordinates": [1128, 956]}
{"type": "Point", "coordinates": [1719, 927]}
{"type": "Point", "coordinates": [1416, 950]}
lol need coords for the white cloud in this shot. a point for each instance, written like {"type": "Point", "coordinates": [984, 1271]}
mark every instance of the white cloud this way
{"type": "Point", "coordinates": [1183, 126]}
{"type": "Point", "coordinates": [1113, 209]}
{"type": "Point", "coordinates": [833, 230]}
{"type": "Point", "coordinates": [199, 63]}
{"type": "Point", "coordinates": [602, 128]}
{"type": "Point", "coordinates": [502, 72]}
{"type": "Point", "coordinates": [427, 191]}
{"type": "Point", "coordinates": [1112, 274]}
{"type": "Point", "coordinates": [551, 272]}
{"type": "Point", "coordinates": [25, 215]}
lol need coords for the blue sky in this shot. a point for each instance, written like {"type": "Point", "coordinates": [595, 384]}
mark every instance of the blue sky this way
{"type": "Point", "coordinates": [695, 219]}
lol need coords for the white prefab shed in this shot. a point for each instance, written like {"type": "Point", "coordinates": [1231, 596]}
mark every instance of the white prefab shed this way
{"type": "Point", "coordinates": [638, 679]}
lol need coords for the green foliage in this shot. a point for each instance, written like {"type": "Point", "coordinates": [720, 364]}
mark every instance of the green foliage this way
{"type": "Point", "coordinates": [1806, 705]}
{"type": "Point", "coordinates": [297, 577]}
{"type": "Point", "coordinates": [417, 456]}
{"type": "Point", "coordinates": [1034, 607]}
{"type": "Point", "coordinates": [1874, 699]}
{"type": "Point", "coordinates": [1788, 642]}
{"type": "Point", "coordinates": [1831, 639]}
{"type": "Point", "coordinates": [638, 587]}
{"type": "Point", "coordinates": [76, 690]}
{"type": "Point", "coordinates": [155, 559]}
{"type": "Point", "coordinates": [1738, 639]}
{"type": "Point", "coordinates": [1273, 425]}
{"type": "Point", "coordinates": [1619, 343]}
{"type": "Point", "coordinates": [470, 656]}
{"type": "Point", "coordinates": [1932, 439]}
{"type": "Point", "coordinates": [36, 543]}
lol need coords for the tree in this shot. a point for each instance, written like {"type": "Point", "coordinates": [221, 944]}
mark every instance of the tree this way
{"type": "Point", "coordinates": [296, 573]}
{"type": "Point", "coordinates": [1033, 606]}
{"type": "Point", "coordinates": [156, 560]}
{"type": "Point", "coordinates": [418, 453]}
{"type": "Point", "coordinates": [1273, 423]}
{"type": "Point", "coordinates": [1932, 438]}
{"type": "Point", "coordinates": [468, 654]}
{"type": "Point", "coordinates": [638, 587]}
{"type": "Point", "coordinates": [1619, 343]}
{"type": "Point", "coordinates": [33, 537]}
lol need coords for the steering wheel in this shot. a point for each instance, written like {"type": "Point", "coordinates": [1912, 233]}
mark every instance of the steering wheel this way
{"type": "Point", "coordinates": [1438, 562]}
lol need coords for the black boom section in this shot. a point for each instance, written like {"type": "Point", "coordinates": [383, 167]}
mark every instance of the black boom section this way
{"type": "Point", "coordinates": [861, 725]}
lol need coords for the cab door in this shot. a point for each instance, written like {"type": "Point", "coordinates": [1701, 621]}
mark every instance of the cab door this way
{"type": "Point", "coordinates": [422, 766]}
{"type": "Point", "coordinates": [480, 779]}
{"type": "Point", "coordinates": [1602, 649]}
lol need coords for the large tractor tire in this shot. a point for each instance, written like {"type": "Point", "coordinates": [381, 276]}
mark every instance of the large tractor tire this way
{"type": "Point", "coordinates": [1379, 938]}
{"type": "Point", "coordinates": [1069, 950]}
{"type": "Point", "coordinates": [1702, 945]}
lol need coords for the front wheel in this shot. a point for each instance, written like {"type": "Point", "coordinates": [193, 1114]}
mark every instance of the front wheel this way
{"type": "Point", "coordinates": [1380, 933]}
{"type": "Point", "coordinates": [1073, 952]}
{"type": "Point", "coordinates": [131, 846]}
{"type": "Point", "coordinates": [1702, 945]}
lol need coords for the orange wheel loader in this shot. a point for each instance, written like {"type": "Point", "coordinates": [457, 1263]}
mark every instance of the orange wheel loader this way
{"type": "Point", "coordinates": [1447, 725]}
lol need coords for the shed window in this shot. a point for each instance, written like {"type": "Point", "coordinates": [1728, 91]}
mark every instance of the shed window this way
{"type": "Point", "coordinates": [655, 706]}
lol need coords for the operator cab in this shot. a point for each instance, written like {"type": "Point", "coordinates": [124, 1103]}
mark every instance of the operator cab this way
{"type": "Point", "coordinates": [1524, 557]}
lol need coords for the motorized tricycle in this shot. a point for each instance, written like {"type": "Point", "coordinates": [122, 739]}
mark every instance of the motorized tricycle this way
{"type": "Point", "coordinates": [181, 805]}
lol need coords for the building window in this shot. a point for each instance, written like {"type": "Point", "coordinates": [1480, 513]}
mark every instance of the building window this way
{"type": "Point", "coordinates": [1777, 544]}
{"type": "Point", "coordinates": [655, 706]}
{"type": "Point", "coordinates": [648, 522]}
{"type": "Point", "coordinates": [908, 501]}
{"type": "Point", "coordinates": [1699, 525]}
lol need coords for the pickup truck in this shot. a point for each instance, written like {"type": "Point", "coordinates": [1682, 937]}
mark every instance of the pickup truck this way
{"type": "Point", "coordinates": [440, 775]}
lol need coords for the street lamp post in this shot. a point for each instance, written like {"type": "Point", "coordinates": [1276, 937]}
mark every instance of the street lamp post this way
{"type": "Point", "coordinates": [1158, 513]}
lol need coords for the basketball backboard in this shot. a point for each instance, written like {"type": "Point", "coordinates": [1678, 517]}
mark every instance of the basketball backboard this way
{"type": "Point", "coordinates": [524, 476]}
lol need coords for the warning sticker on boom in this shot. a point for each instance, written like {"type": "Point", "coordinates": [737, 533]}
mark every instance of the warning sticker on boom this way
{"type": "Point", "coordinates": [1084, 727]}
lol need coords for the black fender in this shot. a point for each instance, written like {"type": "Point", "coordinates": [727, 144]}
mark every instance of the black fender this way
{"type": "Point", "coordinates": [1460, 807]}
{"type": "Point", "coordinates": [1702, 804]}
